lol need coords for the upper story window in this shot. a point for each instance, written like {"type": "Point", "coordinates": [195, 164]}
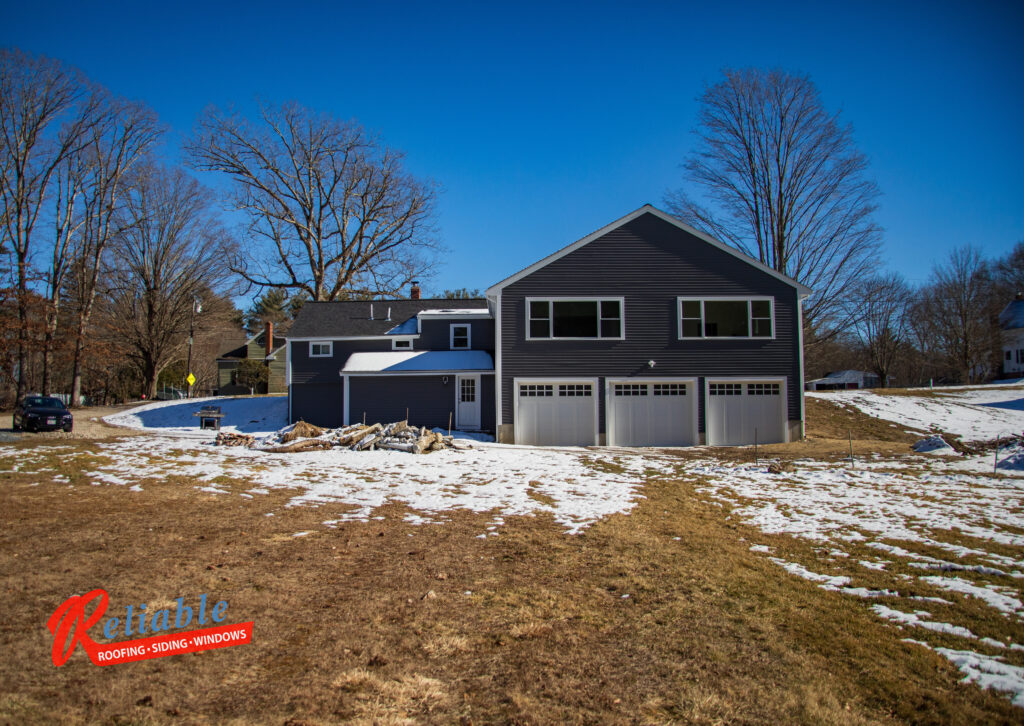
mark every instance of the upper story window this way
{"type": "Point", "coordinates": [567, 319]}
{"type": "Point", "coordinates": [726, 317]}
{"type": "Point", "coordinates": [321, 350]}
{"type": "Point", "coordinates": [401, 344]}
{"type": "Point", "coordinates": [460, 336]}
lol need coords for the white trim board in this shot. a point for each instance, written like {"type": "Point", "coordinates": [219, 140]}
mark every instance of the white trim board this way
{"type": "Point", "coordinates": [648, 209]}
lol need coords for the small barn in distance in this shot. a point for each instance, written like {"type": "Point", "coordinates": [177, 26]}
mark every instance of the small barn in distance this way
{"type": "Point", "coordinates": [846, 381]}
{"type": "Point", "coordinates": [263, 346]}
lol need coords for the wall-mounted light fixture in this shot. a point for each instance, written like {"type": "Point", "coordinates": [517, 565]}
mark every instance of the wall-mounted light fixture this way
{"type": "Point", "coordinates": [444, 380]}
{"type": "Point", "coordinates": [651, 363]}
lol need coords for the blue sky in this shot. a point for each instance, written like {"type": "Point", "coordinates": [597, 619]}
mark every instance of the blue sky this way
{"type": "Point", "coordinates": [543, 122]}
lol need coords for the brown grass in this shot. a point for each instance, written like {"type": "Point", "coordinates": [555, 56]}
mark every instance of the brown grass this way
{"type": "Point", "coordinates": [621, 624]}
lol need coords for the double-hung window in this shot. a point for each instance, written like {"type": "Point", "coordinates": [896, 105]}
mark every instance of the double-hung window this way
{"type": "Point", "coordinates": [574, 319]}
{"type": "Point", "coordinates": [321, 350]}
{"type": "Point", "coordinates": [460, 337]}
{"type": "Point", "coordinates": [726, 317]}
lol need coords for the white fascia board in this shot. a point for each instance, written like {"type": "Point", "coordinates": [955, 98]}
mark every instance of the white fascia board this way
{"type": "Point", "coordinates": [327, 338]}
{"type": "Point", "coordinates": [648, 209]}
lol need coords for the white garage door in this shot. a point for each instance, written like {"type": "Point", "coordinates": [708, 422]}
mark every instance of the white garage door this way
{"type": "Point", "coordinates": [740, 412]}
{"type": "Point", "coordinates": [556, 414]}
{"type": "Point", "coordinates": [651, 413]}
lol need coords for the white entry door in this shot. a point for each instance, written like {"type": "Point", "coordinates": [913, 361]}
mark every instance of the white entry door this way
{"type": "Point", "coordinates": [467, 407]}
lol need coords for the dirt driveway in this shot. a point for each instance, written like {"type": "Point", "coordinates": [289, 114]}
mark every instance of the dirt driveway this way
{"type": "Point", "coordinates": [88, 425]}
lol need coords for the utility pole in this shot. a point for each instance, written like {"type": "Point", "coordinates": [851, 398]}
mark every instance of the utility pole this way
{"type": "Point", "coordinates": [197, 307]}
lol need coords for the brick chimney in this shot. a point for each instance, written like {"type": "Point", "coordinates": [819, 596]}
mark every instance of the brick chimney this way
{"type": "Point", "coordinates": [268, 338]}
{"type": "Point", "coordinates": [414, 293]}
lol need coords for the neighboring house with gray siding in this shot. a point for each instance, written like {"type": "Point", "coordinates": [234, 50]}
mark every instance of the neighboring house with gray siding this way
{"type": "Point", "coordinates": [644, 333]}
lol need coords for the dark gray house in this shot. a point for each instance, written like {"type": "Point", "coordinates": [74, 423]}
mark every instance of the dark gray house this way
{"type": "Point", "coordinates": [389, 360]}
{"type": "Point", "coordinates": [644, 333]}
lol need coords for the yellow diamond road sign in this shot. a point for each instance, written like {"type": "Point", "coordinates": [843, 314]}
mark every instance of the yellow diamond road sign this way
{"type": "Point", "coordinates": [191, 379]}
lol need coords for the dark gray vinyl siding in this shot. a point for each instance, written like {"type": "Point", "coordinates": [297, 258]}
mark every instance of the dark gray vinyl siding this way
{"type": "Point", "coordinates": [650, 263]}
{"type": "Point", "coordinates": [322, 404]}
{"type": "Point", "coordinates": [327, 370]}
{"type": "Point", "coordinates": [385, 399]}
{"type": "Point", "coordinates": [436, 334]}
{"type": "Point", "coordinates": [487, 413]}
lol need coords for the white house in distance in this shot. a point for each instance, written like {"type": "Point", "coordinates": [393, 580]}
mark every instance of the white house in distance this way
{"type": "Point", "coordinates": [1011, 320]}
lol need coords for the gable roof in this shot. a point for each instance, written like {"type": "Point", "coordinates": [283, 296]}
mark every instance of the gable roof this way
{"type": "Point", "coordinates": [1012, 316]}
{"type": "Point", "coordinates": [353, 319]}
{"type": "Point", "coordinates": [647, 209]}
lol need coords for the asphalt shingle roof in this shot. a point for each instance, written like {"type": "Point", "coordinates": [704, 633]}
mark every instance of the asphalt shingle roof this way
{"type": "Point", "coordinates": [351, 318]}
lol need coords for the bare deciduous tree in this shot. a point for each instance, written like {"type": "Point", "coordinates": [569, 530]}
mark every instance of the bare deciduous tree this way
{"type": "Point", "coordinates": [881, 319]}
{"type": "Point", "coordinates": [955, 317]}
{"type": "Point", "coordinates": [169, 251]}
{"type": "Point", "coordinates": [785, 185]}
{"type": "Point", "coordinates": [46, 109]}
{"type": "Point", "coordinates": [335, 210]}
{"type": "Point", "coordinates": [126, 131]}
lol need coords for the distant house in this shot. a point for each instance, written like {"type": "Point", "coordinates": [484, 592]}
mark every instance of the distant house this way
{"type": "Point", "coordinates": [846, 380]}
{"type": "Point", "coordinates": [1011, 322]}
{"type": "Point", "coordinates": [263, 346]}
{"type": "Point", "coordinates": [646, 332]}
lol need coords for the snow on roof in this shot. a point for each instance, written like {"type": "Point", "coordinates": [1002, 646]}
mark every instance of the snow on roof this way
{"type": "Point", "coordinates": [446, 312]}
{"type": "Point", "coordinates": [413, 361]}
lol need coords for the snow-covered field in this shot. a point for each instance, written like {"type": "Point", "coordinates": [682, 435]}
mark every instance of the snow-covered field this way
{"type": "Point", "coordinates": [939, 524]}
{"type": "Point", "coordinates": [975, 413]}
{"type": "Point", "coordinates": [909, 536]}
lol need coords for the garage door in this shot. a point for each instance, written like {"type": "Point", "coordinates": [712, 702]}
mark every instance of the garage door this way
{"type": "Point", "coordinates": [740, 412]}
{"type": "Point", "coordinates": [651, 413]}
{"type": "Point", "coordinates": [556, 414]}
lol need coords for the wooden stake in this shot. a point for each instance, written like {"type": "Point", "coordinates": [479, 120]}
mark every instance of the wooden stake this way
{"type": "Point", "coordinates": [364, 418]}
{"type": "Point", "coordinates": [449, 423]}
{"type": "Point", "coordinates": [850, 432]}
{"type": "Point", "coordinates": [407, 414]}
{"type": "Point", "coordinates": [755, 445]}
{"type": "Point", "coordinates": [995, 461]}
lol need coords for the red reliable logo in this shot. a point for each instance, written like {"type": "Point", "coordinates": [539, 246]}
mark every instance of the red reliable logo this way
{"type": "Point", "coordinates": [70, 626]}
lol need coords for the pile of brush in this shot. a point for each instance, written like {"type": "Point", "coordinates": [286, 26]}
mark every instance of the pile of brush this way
{"type": "Point", "coordinates": [398, 436]}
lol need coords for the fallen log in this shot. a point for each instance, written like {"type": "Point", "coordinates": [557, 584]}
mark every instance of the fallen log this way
{"type": "Point", "coordinates": [302, 445]}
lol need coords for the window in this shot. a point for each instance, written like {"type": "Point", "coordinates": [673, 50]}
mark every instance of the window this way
{"type": "Point", "coordinates": [763, 389]}
{"type": "Point", "coordinates": [669, 389]}
{"type": "Point", "coordinates": [726, 318]}
{"type": "Point", "coordinates": [574, 390]}
{"type": "Point", "coordinates": [725, 389]}
{"type": "Point", "coordinates": [467, 390]}
{"type": "Point", "coordinates": [460, 337]}
{"type": "Point", "coordinates": [574, 319]}
{"type": "Point", "coordinates": [536, 391]}
{"type": "Point", "coordinates": [630, 389]}
{"type": "Point", "coordinates": [401, 345]}
{"type": "Point", "coordinates": [321, 350]}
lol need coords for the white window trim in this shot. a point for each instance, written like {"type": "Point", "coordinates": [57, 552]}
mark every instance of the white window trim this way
{"type": "Point", "coordinates": [573, 298]}
{"type": "Point", "coordinates": [395, 344]}
{"type": "Point", "coordinates": [451, 336]}
{"type": "Point", "coordinates": [328, 354]}
{"type": "Point", "coordinates": [729, 298]}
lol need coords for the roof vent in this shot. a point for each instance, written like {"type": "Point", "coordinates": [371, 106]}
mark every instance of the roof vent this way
{"type": "Point", "coordinates": [371, 311]}
{"type": "Point", "coordinates": [389, 314]}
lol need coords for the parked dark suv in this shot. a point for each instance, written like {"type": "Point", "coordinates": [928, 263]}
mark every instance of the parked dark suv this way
{"type": "Point", "coordinates": [42, 413]}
